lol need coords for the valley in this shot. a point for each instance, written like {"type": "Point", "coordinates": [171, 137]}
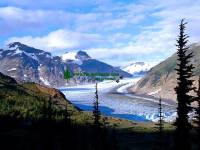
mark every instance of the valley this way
{"type": "Point", "coordinates": [116, 101]}
{"type": "Point", "coordinates": [99, 75]}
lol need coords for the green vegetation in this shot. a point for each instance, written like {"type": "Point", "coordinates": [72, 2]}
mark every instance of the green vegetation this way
{"type": "Point", "coordinates": [96, 112]}
{"type": "Point", "coordinates": [165, 67]}
{"type": "Point", "coordinates": [184, 87]}
{"type": "Point", "coordinates": [97, 76]}
{"type": "Point", "coordinates": [30, 100]}
{"type": "Point", "coordinates": [168, 66]}
{"type": "Point", "coordinates": [197, 112]}
{"type": "Point", "coordinates": [67, 75]}
{"type": "Point", "coordinates": [32, 111]}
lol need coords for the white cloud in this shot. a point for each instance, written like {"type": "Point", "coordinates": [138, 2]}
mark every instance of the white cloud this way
{"type": "Point", "coordinates": [114, 31]}
{"type": "Point", "coordinates": [156, 41]}
{"type": "Point", "coordinates": [13, 18]}
{"type": "Point", "coordinates": [63, 39]}
{"type": "Point", "coordinates": [59, 39]}
{"type": "Point", "coordinates": [146, 43]}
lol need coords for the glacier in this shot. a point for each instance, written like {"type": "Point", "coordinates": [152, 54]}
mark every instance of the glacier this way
{"type": "Point", "coordinates": [116, 101]}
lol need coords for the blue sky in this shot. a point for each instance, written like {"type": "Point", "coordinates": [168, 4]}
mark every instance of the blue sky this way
{"type": "Point", "coordinates": [115, 31]}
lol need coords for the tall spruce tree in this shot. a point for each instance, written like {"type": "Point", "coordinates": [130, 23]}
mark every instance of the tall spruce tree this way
{"type": "Point", "coordinates": [184, 73]}
{"type": "Point", "coordinates": [97, 132]}
{"type": "Point", "coordinates": [96, 112]}
{"type": "Point", "coordinates": [160, 125]}
{"type": "Point", "coordinates": [197, 113]}
{"type": "Point", "coordinates": [160, 121]}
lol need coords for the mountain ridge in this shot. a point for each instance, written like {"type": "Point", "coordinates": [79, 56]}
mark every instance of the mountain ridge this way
{"type": "Point", "coordinates": [27, 64]}
{"type": "Point", "coordinates": [139, 68]}
{"type": "Point", "coordinates": [161, 79]}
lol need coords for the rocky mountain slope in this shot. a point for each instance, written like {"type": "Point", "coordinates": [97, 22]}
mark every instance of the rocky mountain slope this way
{"type": "Point", "coordinates": [27, 64]}
{"type": "Point", "coordinates": [161, 79]}
{"type": "Point", "coordinates": [27, 99]}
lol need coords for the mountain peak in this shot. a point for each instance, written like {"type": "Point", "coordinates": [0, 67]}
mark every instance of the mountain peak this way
{"type": "Point", "coordinates": [23, 47]}
{"type": "Point", "coordinates": [82, 55]}
{"type": "Point", "coordinates": [69, 56]}
{"type": "Point", "coordinates": [139, 67]}
{"type": "Point", "coordinates": [14, 45]}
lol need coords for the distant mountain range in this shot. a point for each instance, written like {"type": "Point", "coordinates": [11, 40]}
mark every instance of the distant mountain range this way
{"type": "Point", "coordinates": [161, 79]}
{"type": "Point", "coordinates": [25, 63]}
{"type": "Point", "coordinates": [138, 68]}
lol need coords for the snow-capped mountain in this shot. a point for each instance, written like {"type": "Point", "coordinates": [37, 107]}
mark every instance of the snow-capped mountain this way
{"type": "Point", "coordinates": [26, 63]}
{"type": "Point", "coordinates": [74, 57]}
{"type": "Point", "coordinates": [139, 68]}
{"type": "Point", "coordinates": [90, 65]}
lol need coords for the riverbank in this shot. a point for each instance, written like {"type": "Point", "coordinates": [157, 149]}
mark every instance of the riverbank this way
{"type": "Point", "coordinates": [165, 101]}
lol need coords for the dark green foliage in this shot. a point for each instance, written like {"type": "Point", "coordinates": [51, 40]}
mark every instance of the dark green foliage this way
{"type": "Point", "coordinates": [96, 112]}
{"type": "Point", "coordinates": [66, 114]}
{"type": "Point", "coordinates": [28, 101]}
{"type": "Point", "coordinates": [160, 121]}
{"type": "Point", "coordinates": [6, 79]}
{"type": "Point", "coordinates": [113, 139]}
{"type": "Point", "coordinates": [67, 75]}
{"type": "Point", "coordinates": [47, 134]}
{"type": "Point", "coordinates": [197, 110]}
{"type": "Point", "coordinates": [184, 72]}
{"type": "Point", "coordinates": [159, 142]}
{"type": "Point", "coordinates": [197, 113]}
{"type": "Point", "coordinates": [32, 119]}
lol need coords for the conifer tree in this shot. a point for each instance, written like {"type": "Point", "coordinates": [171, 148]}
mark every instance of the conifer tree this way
{"type": "Point", "coordinates": [96, 111]}
{"type": "Point", "coordinates": [160, 123]}
{"type": "Point", "coordinates": [97, 134]}
{"type": "Point", "coordinates": [67, 74]}
{"type": "Point", "coordinates": [184, 73]}
{"type": "Point", "coordinates": [160, 126]}
{"type": "Point", "coordinates": [197, 112]}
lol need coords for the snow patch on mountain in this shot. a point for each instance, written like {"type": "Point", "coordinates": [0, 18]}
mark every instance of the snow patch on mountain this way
{"type": "Point", "coordinates": [33, 56]}
{"type": "Point", "coordinates": [154, 93]}
{"type": "Point", "coordinates": [42, 67]}
{"type": "Point", "coordinates": [13, 48]}
{"type": "Point", "coordinates": [12, 69]}
{"type": "Point", "coordinates": [71, 56]}
{"type": "Point", "coordinates": [17, 51]}
{"type": "Point", "coordinates": [139, 67]}
{"type": "Point", "coordinates": [45, 81]}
